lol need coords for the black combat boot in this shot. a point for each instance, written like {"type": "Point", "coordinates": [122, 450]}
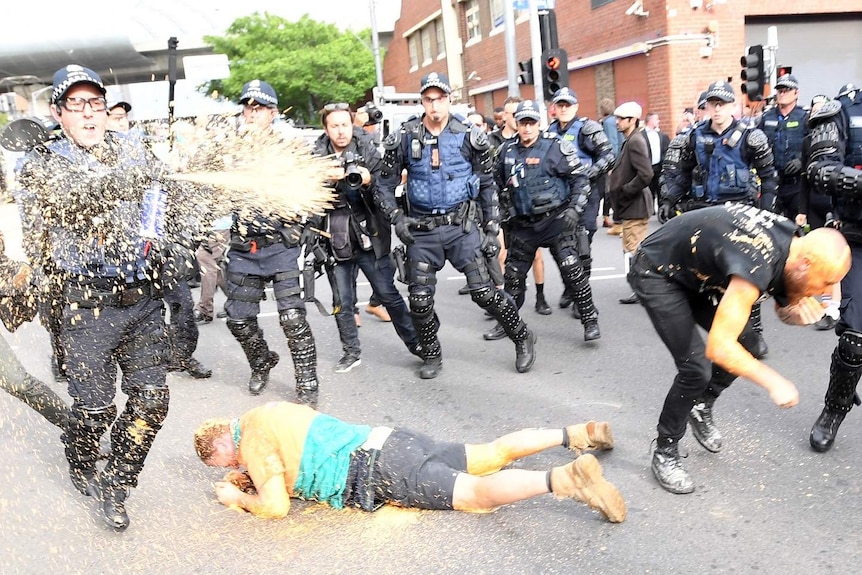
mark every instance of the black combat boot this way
{"type": "Point", "coordinates": [525, 351]}
{"type": "Point", "coordinates": [300, 341]}
{"type": "Point", "coordinates": [844, 373]}
{"type": "Point", "coordinates": [427, 324]}
{"type": "Point", "coordinates": [702, 425]}
{"type": "Point", "coordinates": [132, 437]}
{"type": "Point", "coordinates": [577, 282]}
{"type": "Point", "coordinates": [260, 358]}
{"type": "Point", "coordinates": [81, 440]}
{"type": "Point", "coordinates": [667, 467]}
{"type": "Point", "coordinates": [506, 313]}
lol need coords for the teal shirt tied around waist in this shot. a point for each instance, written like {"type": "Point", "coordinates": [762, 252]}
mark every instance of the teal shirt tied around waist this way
{"type": "Point", "coordinates": [326, 459]}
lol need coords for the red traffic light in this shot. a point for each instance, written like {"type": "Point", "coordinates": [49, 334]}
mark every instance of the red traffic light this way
{"type": "Point", "coordinates": [554, 63]}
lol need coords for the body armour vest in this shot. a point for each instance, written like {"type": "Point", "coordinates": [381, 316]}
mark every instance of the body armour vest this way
{"type": "Point", "coordinates": [538, 192]}
{"type": "Point", "coordinates": [854, 144]}
{"type": "Point", "coordinates": [83, 251]}
{"type": "Point", "coordinates": [785, 134]}
{"type": "Point", "coordinates": [726, 176]}
{"type": "Point", "coordinates": [572, 134]}
{"type": "Point", "coordinates": [435, 190]}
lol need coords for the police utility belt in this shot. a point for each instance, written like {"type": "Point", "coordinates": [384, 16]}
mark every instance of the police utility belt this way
{"type": "Point", "coordinates": [360, 489]}
{"type": "Point", "coordinates": [109, 292]}
{"type": "Point", "coordinates": [464, 213]}
{"type": "Point", "coordinates": [253, 243]}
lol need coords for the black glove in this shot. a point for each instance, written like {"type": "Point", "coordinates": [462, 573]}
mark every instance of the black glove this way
{"type": "Point", "coordinates": [665, 212]}
{"type": "Point", "coordinates": [793, 167]}
{"type": "Point", "coordinates": [490, 244]}
{"type": "Point", "coordinates": [402, 229]}
{"type": "Point", "coordinates": [571, 217]}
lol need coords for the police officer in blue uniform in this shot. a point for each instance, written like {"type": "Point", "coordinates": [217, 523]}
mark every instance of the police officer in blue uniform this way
{"type": "Point", "coordinates": [544, 192]}
{"type": "Point", "coordinates": [714, 165]}
{"type": "Point", "coordinates": [265, 249]}
{"type": "Point", "coordinates": [596, 154]}
{"type": "Point", "coordinates": [91, 192]}
{"type": "Point", "coordinates": [784, 126]}
{"type": "Point", "coordinates": [451, 213]}
{"type": "Point", "coordinates": [834, 168]}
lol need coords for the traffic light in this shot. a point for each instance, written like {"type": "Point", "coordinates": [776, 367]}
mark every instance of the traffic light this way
{"type": "Point", "coordinates": [525, 76]}
{"type": "Point", "coordinates": [782, 70]}
{"type": "Point", "coordinates": [555, 71]}
{"type": "Point", "coordinates": [753, 74]}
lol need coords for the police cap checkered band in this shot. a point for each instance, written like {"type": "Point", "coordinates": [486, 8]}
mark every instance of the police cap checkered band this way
{"type": "Point", "coordinates": [565, 95]}
{"type": "Point", "coordinates": [435, 80]}
{"type": "Point", "coordinates": [65, 78]}
{"type": "Point", "coordinates": [527, 110]}
{"type": "Point", "coordinates": [259, 91]}
{"type": "Point", "coordinates": [720, 90]}
{"type": "Point", "coordinates": [787, 81]}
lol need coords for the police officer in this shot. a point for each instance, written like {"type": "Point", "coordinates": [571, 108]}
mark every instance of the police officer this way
{"type": "Point", "coordinates": [361, 234]}
{"type": "Point", "coordinates": [784, 126]}
{"type": "Point", "coordinates": [835, 169]}
{"type": "Point", "coordinates": [714, 163]}
{"type": "Point", "coordinates": [452, 213]}
{"type": "Point", "coordinates": [596, 154]}
{"type": "Point", "coordinates": [92, 193]}
{"type": "Point", "coordinates": [545, 190]}
{"type": "Point", "coordinates": [265, 249]}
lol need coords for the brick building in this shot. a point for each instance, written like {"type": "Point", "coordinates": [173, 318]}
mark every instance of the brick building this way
{"type": "Point", "coordinates": [661, 54]}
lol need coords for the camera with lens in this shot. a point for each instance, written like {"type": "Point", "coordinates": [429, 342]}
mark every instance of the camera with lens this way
{"type": "Point", "coordinates": [352, 175]}
{"type": "Point", "coordinates": [374, 114]}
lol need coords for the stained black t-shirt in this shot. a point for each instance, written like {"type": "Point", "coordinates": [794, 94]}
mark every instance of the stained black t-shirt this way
{"type": "Point", "coordinates": [701, 249]}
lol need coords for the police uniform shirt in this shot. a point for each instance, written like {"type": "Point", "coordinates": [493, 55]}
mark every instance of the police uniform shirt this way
{"type": "Point", "coordinates": [703, 248]}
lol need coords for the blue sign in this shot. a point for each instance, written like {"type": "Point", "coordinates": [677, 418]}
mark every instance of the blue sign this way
{"type": "Point", "coordinates": [540, 4]}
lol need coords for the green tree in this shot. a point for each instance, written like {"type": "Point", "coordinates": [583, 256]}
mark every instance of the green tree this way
{"type": "Point", "coordinates": [309, 63]}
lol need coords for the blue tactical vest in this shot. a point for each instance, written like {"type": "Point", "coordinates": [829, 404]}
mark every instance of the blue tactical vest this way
{"type": "Point", "coordinates": [85, 252]}
{"type": "Point", "coordinates": [854, 144]}
{"type": "Point", "coordinates": [727, 176]}
{"type": "Point", "coordinates": [786, 135]}
{"type": "Point", "coordinates": [538, 191]}
{"type": "Point", "coordinates": [572, 134]}
{"type": "Point", "coordinates": [439, 190]}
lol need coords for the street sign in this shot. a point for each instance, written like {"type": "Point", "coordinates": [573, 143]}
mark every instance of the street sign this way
{"type": "Point", "coordinates": [540, 4]}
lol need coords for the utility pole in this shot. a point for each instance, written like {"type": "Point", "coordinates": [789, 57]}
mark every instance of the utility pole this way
{"type": "Point", "coordinates": [375, 43]}
{"type": "Point", "coordinates": [536, 49]}
{"type": "Point", "coordinates": [511, 48]}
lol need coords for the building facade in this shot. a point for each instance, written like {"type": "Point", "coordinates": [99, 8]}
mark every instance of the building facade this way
{"type": "Point", "coordinates": [660, 53]}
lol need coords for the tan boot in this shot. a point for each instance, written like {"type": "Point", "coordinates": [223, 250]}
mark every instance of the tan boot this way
{"type": "Point", "coordinates": [615, 230]}
{"type": "Point", "coordinates": [590, 435]}
{"type": "Point", "coordinates": [582, 480]}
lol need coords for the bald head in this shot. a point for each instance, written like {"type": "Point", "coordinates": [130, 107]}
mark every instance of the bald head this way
{"type": "Point", "coordinates": [817, 261]}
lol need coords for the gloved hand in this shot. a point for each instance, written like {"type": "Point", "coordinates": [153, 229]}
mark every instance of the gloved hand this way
{"type": "Point", "coordinates": [793, 167]}
{"type": "Point", "coordinates": [490, 245]}
{"type": "Point", "coordinates": [293, 233]}
{"type": "Point", "coordinates": [571, 217]}
{"type": "Point", "coordinates": [402, 228]}
{"type": "Point", "coordinates": [665, 212]}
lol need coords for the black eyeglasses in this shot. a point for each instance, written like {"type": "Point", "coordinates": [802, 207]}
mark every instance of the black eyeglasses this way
{"type": "Point", "coordinates": [77, 104]}
{"type": "Point", "coordinates": [339, 107]}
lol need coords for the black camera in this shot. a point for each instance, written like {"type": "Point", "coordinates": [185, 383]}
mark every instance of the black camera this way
{"type": "Point", "coordinates": [374, 114]}
{"type": "Point", "coordinates": [352, 175]}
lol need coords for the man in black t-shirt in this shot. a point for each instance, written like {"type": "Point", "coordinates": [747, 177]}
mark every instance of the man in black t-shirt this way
{"type": "Point", "coordinates": [708, 268]}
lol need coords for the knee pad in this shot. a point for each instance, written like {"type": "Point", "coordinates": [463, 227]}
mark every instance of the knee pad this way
{"type": "Point", "coordinates": [476, 272]}
{"type": "Point", "coordinates": [421, 302]}
{"type": "Point", "coordinates": [149, 403]}
{"type": "Point", "coordinates": [571, 269]}
{"type": "Point", "coordinates": [516, 279]}
{"type": "Point", "coordinates": [292, 317]}
{"type": "Point", "coordinates": [850, 348]}
{"type": "Point", "coordinates": [484, 296]}
{"type": "Point", "coordinates": [242, 329]}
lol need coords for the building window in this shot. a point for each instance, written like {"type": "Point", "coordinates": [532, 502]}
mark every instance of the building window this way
{"type": "Point", "coordinates": [599, 3]}
{"type": "Point", "coordinates": [414, 54]}
{"type": "Point", "coordinates": [471, 15]}
{"type": "Point", "coordinates": [497, 15]}
{"type": "Point", "coordinates": [441, 40]}
{"type": "Point", "coordinates": [425, 34]}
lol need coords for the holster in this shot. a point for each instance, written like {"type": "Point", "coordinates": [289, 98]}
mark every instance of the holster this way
{"type": "Point", "coordinates": [315, 261]}
{"type": "Point", "coordinates": [399, 259]}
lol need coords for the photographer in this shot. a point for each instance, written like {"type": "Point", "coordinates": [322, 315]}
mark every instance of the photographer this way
{"type": "Point", "coordinates": [360, 234]}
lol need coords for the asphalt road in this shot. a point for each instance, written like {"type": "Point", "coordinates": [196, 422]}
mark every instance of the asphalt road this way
{"type": "Point", "coordinates": [765, 504]}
